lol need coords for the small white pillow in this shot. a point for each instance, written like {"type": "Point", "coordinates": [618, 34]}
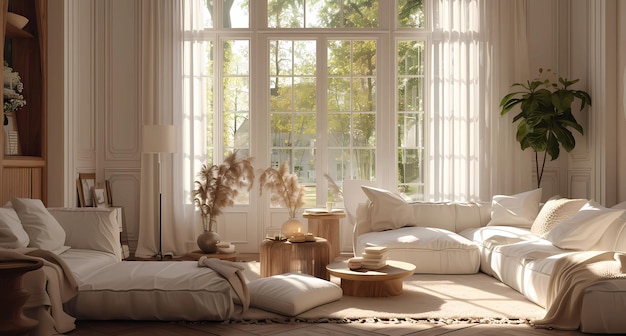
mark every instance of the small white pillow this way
{"type": "Point", "coordinates": [517, 210]}
{"type": "Point", "coordinates": [292, 293]}
{"type": "Point", "coordinates": [388, 210]}
{"type": "Point", "coordinates": [12, 234]}
{"type": "Point", "coordinates": [43, 229]}
{"type": "Point", "coordinates": [584, 229]}
{"type": "Point", "coordinates": [554, 212]}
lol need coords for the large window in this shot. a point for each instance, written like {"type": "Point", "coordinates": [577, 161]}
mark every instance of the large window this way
{"type": "Point", "coordinates": [332, 86]}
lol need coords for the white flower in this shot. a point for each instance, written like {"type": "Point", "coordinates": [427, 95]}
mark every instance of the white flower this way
{"type": "Point", "coordinates": [13, 86]}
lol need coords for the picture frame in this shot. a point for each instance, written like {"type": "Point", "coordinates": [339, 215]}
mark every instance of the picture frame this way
{"type": "Point", "coordinates": [86, 184]}
{"type": "Point", "coordinates": [100, 198]}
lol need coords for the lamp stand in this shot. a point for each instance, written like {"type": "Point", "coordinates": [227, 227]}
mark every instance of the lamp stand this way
{"type": "Point", "coordinates": [159, 254]}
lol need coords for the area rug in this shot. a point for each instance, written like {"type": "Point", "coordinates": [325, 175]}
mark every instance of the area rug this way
{"type": "Point", "coordinates": [472, 298]}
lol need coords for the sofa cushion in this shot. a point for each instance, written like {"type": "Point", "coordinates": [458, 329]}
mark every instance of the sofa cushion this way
{"type": "Point", "coordinates": [388, 210]}
{"type": "Point", "coordinates": [43, 229]}
{"type": "Point", "coordinates": [12, 234]}
{"type": "Point", "coordinates": [583, 230]}
{"type": "Point", "coordinates": [515, 210]}
{"type": "Point", "coordinates": [292, 293]}
{"type": "Point", "coordinates": [82, 224]}
{"type": "Point", "coordinates": [553, 212]}
{"type": "Point", "coordinates": [431, 250]}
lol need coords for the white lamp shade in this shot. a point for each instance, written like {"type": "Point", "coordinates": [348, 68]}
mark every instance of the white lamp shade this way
{"type": "Point", "coordinates": [159, 139]}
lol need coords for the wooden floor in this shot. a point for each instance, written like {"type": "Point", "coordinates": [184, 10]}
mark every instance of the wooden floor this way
{"type": "Point", "coordinates": [154, 328]}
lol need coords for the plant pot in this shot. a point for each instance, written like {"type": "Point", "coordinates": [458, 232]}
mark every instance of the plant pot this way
{"type": "Point", "coordinates": [207, 241]}
{"type": "Point", "coordinates": [290, 227]}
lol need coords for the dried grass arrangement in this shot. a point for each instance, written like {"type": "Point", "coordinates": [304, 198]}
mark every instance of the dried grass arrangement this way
{"type": "Point", "coordinates": [283, 187]}
{"type": "Point", "coordinates": [218, 186]}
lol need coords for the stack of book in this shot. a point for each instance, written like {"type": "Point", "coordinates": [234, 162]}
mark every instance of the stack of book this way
{"type": "Point", "coordinates": [374, 257]}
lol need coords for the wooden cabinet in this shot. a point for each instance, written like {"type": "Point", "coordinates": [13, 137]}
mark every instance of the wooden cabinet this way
{"type": "Point", "coordinates": [25, 50]}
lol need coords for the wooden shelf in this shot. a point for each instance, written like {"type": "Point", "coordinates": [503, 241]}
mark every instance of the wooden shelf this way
{"type": "Point", "coordinates": [17, 161]}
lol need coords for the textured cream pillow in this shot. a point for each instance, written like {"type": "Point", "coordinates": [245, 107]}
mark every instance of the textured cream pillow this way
{"type": "Point", "coordinates": [517, 210]}
{"type": "Point", "coordinates": [585, 228]}
{"type": "Point", "coordinates": [43, 229]}
{"type": "Point", "coordinates": [12, 234]}
{"type": "Point", "coordinates": [554, 212]}
{"type": "Point", "coordinates": [292, 293]}
{"type": "Point", "coordinates": [388, 210]}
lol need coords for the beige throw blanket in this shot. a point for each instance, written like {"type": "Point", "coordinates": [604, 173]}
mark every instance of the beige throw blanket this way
{"type": "Point", "coordinates": [572, 274]}
{"type": "Point", "coordinates": [50, 287]}
{"type": "Point", "coordinates": [233, 273]}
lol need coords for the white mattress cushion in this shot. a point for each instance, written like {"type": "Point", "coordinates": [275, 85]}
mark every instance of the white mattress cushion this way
{"type": "Point", "coordinates": [163, 290]}
{"type": "Point", "coordinates": [292, 293]}
{"type": "Point", "coordinates": [431, 250]}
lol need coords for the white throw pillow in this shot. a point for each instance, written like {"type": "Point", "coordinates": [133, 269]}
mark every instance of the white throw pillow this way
{"type": "Point", "coordinates": [517, 210]}
{"type": "Point", "coordinates": [12, 234]}
{"type": "Point", "coordinates": [584, 229]}
{"type": "Point", "coordinates": [292, 293]}
{"type": "Point", "coordinates": [90, 228]}
{"type": "Point", "coordinates": [388, 210]}
{"type": "Point", "coordinates": [554, 212]}
{"type": "Point", "coordinates": [43, 229]}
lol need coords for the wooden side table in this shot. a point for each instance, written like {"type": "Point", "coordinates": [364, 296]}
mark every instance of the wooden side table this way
{"type": "Point", "coordinates": [281, 256]}
{"type": "Point", "coordinates": [13, 296]}
{"type": "Point", "coordinates": [195, 255]}
{"type": "Point", "coordinates": [326, 226]}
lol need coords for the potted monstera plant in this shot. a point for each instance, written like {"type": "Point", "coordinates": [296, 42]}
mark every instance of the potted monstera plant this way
{"type": "Point", "coordinates": [545, 116]}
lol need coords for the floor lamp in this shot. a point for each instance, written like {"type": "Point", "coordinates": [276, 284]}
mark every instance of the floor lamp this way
{"type": "Point", "coordinates": [159, 139]}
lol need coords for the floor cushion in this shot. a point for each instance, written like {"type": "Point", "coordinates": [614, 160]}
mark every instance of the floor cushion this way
{"type": "Point", "coordinates": [292, 293]}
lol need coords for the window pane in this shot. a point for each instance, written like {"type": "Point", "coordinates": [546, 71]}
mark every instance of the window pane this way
{"type": "Point", "coordinates": [285, 13]}
{"type": "Point", "coordinates": [410, 114]}
{"type": "Point", "coordinates": [339, 94]}
{"type": "Point", "coordinates": [236, 14]}
{"type": "Point", "coordinates": [236, 57]}
{"type": "Point", "coordinates": [322, 13]}
{"type": "Point", "coordinates": [361, 13]}
{"type": "Point", "coordinates": [352, 91]}
{"type": "Point", "coordinates": [207, 13]}
{"type": "Point", "coordinates": [236, 131]}
{"type": "Point", "coordinates": [364, 130]}
{"type": "Point", "coordinates": [338, 123]}
{"type": "Point", "coordinates": [411, 13]}
{"type": "Point", "coordinates": [293, 100]}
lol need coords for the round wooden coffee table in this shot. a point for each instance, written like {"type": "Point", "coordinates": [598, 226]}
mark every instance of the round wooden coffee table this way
{"type": "Point", "coordinates": [386, 281]}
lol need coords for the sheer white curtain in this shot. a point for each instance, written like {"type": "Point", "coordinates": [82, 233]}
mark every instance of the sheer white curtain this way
{"type": "Point", "coordinates": [473, 153]}
{"type": "Point", "coordinates": [160, 103]}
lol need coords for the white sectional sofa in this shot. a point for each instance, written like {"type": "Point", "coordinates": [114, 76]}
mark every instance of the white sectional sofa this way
{"type": "Point", "coordinates": [518, 241]}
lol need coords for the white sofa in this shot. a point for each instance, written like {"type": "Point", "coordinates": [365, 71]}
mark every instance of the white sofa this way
{"type": "Point", "coordinates": [94, 283]}
{"type": "Point", "coordinates": [515, 240]}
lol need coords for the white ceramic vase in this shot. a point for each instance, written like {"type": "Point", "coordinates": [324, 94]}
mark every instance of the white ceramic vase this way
{"type": "Point", "coordinates": [291, 227]}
